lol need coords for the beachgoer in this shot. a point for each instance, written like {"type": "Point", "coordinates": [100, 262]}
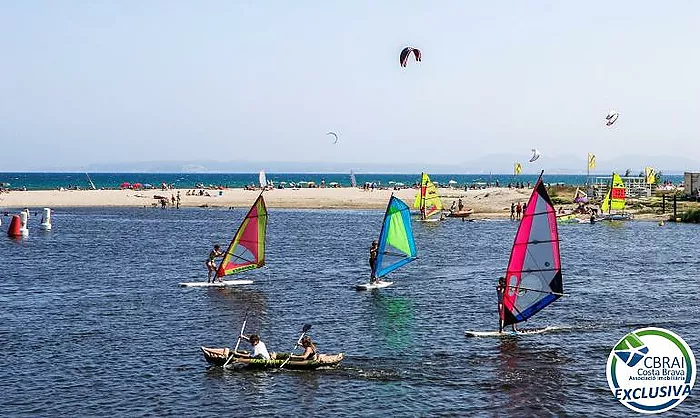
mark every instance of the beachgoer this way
{"type": "Point", "coordinates": [259, 347]}
{"type": "Point", "coordinates": [512, 211]}
{"type": "Point", "coordinates": [454, 204]}
{"type": "Point", "coordinates": [309, 350]}
{"type": "Point", "coordinates": [211, 264]}
{"type": "Point", "coordinates": [524, 207]}
{"type": "Point", "coordinates": [460, 205]}
{"type": "Point", "coordinates": [373, 252]}
{"type": "Point", "coordinates": [518, 210]}
{"type": "Point", "coordinates": [178, 199]}
{"type": "Point", "coordinates": [501, 290]}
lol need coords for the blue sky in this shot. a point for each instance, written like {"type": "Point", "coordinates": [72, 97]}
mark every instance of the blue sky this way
{"type": "Point", "coordinates": [103, 82]}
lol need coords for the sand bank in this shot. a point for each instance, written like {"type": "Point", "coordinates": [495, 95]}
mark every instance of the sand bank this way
{"type": "Point", "coordinates": [485, 202]}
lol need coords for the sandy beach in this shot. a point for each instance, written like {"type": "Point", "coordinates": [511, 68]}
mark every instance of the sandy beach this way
{"type": "Point", "coordinates": [490, 202]}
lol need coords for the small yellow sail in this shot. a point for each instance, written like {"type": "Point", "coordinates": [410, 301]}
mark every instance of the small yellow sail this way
{"type": "Point", "coordinates": [615, 198]}
{"type": "Point", "coordinates": [427, 200]}
{"type": "Point", "coordinates": [650, 175]}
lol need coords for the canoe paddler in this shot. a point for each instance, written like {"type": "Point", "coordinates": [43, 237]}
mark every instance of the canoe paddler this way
{"type": "Point", "coordinates": [309, 350]}
{"type": "Point", "coordinates": [259, 347]}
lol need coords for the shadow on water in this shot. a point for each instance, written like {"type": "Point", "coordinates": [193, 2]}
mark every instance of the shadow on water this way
{"type": "Point", "coordinates": [527, 381]}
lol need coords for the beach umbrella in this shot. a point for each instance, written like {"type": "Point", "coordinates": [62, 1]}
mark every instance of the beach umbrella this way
{"type": "Point", "coordinates": [452, 182]}
{"type": "Point", "coordinates": [136, 186]}
{"type": "Point", "coordinates": [125, 185]}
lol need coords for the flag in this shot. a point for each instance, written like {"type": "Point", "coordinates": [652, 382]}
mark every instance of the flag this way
{"type": "Point", "coordinates": [518, 168]}
{"type": "Point", "coordinates": [591, 161]}
{"type": "Point", "coordinates": [650, 175]}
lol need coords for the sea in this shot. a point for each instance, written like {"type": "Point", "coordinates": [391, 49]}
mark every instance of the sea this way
{"type": "Point", "coordinates": [51, 181]}
{"type": "Point", "coordinates": [93, 322]}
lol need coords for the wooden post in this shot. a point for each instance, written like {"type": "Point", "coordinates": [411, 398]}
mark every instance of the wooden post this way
{"type": "Point", "coordinates": [674, 207]}
{"type": "Point", "coordinates": [663, 203]}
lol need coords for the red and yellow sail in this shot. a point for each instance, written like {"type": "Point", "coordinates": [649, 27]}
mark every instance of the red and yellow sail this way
{"type": "Point", "coordinates": [427, 200]}
{"type": "Point", "coordinates": [615, 198]}
{"type": "Point", "coordinates": [247, 248]}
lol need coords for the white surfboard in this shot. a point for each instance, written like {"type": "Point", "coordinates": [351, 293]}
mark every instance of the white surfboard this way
{"type": "Point", "coordinates": [509, 333]}
{"type": "Point", "coordinates": [225, 283]}
{"type": "Point", "coordinates": [376, 285]}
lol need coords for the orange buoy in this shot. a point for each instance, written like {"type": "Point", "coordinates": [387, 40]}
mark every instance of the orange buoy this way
{"type": "Point", "coordinates": [15, 225]}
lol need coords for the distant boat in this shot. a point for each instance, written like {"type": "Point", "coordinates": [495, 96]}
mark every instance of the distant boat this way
{"type": "Point", "coordinates": [353, 182]}
{"type": "Point", "coordinates": [396, 245]}
{"type": "Point", "coordinates": [428, 201]}
{"type": "Point", "coordinates": [92, 185]}
{"type": "Point", "coordinates": [533, 277]}
{"type": "Point", "coordinates": [615, 201]}
{"type": "Point", "coordinates": [246, 250]}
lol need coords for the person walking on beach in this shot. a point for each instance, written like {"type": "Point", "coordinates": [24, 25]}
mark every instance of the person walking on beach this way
{"type": "Point", "coordinates": [518, 210]}
{"type": "Point", "coordinates": [512, 211]}
{"type": "Point", "coordinates": [211, 263]}
{"type": "Point", "coordinates": [178, 200]}
{"type": "Point", "coordinates": [373, 253]}
{"type": "Point", "coordinates": [460, 206]}
{"type": "Point", "coordinates": [524, 207]}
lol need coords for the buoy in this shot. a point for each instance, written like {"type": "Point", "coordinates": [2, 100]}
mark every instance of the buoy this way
{"type": "Point", "coordinates": [23, 230]}
{"type": "Point", "coordinates": [15, 226]}
{"type": "Point", "coordinates": [46, 220]}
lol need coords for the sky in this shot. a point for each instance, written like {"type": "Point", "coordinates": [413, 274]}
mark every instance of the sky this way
{"type": "Point", "coordinates": [85, 82]}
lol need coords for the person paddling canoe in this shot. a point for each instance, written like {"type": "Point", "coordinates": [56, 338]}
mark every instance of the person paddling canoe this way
{"type": "Point", "coordinates": [309, 353]}
{"type": "Point", "coordinates": [259, 347]}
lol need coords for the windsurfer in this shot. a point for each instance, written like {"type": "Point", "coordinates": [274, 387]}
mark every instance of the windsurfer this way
{"type": "Point", "coordinates": [373, 253]}
{"type": "Point", "coordinates": [259, 347]}
{"type": "Point", "coordinates": [211, 265]}
{"type": "Point", "coordinates": [501, 289]}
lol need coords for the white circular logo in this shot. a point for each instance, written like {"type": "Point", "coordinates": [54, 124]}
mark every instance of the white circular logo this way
{"type": "Point", "coordinates": [651, 370]}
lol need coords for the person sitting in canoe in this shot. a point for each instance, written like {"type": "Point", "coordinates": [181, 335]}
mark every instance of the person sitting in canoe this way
{"type": "Point", "coordinates": [211, 264]}
{"type": "Point", "coordinates": [309, 353]}
{"type": "Point", "coordinates": [259, 347]}
{"type": "Point", "coordinates": [501, 289]}
{"type": "Point", "coordinates": [373, 253]}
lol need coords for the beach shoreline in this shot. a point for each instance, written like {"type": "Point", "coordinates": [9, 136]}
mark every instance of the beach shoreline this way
{"type": "Point", "coordinates": [492, 202]}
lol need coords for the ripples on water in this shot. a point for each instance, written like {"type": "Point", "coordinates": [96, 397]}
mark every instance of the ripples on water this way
{"type": "Point", "coordinates": [93, 322]}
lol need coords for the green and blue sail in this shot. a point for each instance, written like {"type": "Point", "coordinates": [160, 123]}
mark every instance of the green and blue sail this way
{"type": "Point", "coordinates": [396, 244]}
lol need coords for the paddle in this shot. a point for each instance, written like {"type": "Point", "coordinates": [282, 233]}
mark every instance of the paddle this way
{"type": "Point", "coordinates": [304, 330]}
{"type": "Point", "coordinates": [240, 335]}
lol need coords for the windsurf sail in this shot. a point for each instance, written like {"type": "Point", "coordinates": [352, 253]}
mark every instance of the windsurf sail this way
{"type": "Point", "coordinates": [396, 244]}
{"type": "Point", "coordinates": [615, 198]}
{"type": "Point", "coordinates": [533, 278]}
{"type": "Point", "coordinates": [92, 185]}
{"type": "Point", "coordinates": [247, 248]}
{"type": "Point", "coordinates": [262, 179]}
{"type": "Point", "coordinates": [353, 182]}
{"type": "Point", "coordinates": [427, 200]}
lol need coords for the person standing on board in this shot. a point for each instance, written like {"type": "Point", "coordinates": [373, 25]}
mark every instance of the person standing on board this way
{"type": "Point", "coordinates": [211, 264]}
{"type": "Point", "coordinates": [259, 347]}
{"type": "Point", "coordinates": [501, 289]}
{"type": "Point", "coordinates": [373, 253]}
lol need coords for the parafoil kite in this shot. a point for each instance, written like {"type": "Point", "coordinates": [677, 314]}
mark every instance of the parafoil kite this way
{"type": "Point", "coordinates": [611, 117]}
{"type": "Point", "coordinates": [406, 52]}
{"type": "Point", "coordinates": [335, 135]}
{"type": "Point", "coordinates": [535, 155]}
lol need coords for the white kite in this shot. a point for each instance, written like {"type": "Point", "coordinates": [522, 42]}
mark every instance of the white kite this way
{"type": "Point", "coordinates": [611, 117]}
{"type": "Point", "coordinates": [335, 135]}
{"type": "Point", "coordinates": [535, 155]}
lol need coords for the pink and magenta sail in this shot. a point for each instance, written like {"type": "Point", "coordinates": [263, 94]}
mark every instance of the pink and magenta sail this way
{"type": "Point", "coordinates": [247, 249]}
{"type": "Point", "coordinates": [533, 278]}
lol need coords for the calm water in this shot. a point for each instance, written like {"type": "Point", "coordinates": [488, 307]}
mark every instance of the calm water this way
{"type": "Point", "coordinates": [46, 181]}
{"type": "Point", "coordinates": [93, 322]}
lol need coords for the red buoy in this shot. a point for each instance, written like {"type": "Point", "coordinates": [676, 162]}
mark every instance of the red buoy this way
{"type": "Point", "coordinates": [15, 225]}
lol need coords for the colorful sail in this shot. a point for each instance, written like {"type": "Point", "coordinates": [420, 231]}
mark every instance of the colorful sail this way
{"type": "Point", "coordinates": [247, 249]}
{"type": "Point", "coordinates": [396, 245]}
{"type": "Point", "coordinates": [533, 278]}
{"type": "Point", "coordinates": [427, 200]}
{"type": "Point", "coordinates": [615, 198]}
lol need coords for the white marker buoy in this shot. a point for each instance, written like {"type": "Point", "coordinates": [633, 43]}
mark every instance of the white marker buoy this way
{"type": "Point", "coordinates": [46, 220]}
{"type": "Point", "coordinates": [23, 230]}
